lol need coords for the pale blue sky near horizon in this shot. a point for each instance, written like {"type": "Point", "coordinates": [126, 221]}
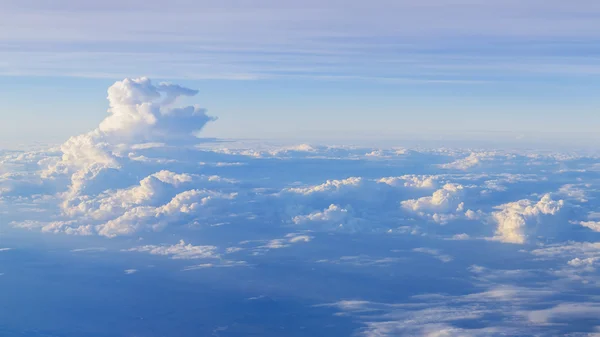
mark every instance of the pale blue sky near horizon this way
{"type": "Point", "coordinates": [310, 71]}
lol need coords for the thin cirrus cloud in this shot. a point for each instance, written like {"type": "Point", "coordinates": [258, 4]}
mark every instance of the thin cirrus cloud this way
{"type": "Point", "coordinates": [315, 40]}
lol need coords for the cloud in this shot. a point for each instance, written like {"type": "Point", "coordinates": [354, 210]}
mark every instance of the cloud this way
{"type": "Point", "coordinates": [289, 239]}
{"type": "Point", "coordinates": [435, 253]}
{"type": "Point", "coordinates": [363, 261]}
{"type": "Point", "coordinates": [564, 311]}
{"type": "Point", "coordinates": [474, 159]}
{"type": "Point", "coordinates": [332, 218]}
{"type": "Point", "coordinates": [89, 250]}
{"type": "Point", "coordinates": [5, 249]}
{"type": "Point", "coordinates": [329, 187]}
{"type": "Point", "coordinates": [223, 264]}
{"type": "Point", "coordinates": [139, 113]}
{"type": "Point", "coordinates": [130, 271]}
{"type": "Point", "coordinates": [183, 205]}
{"type": "Point", "coordinates": [569, 250]}
{"type": "Point", "coordinates": [512, 218]}
{"type": "Point", "coordinates": [151, 190]}
{"type": "Point", "coordinates": [446, 199]}
{"type": "Point", "coordinates": [65, 227]}
{"type": "Point", "coordinates": [413, 181]}
{"type": "Point", "coordinates": [444, 205]}
{"type": "Point", "coordinates": [593, 225]}
{"type": "Point", "coordinates": [179, 251]}
{"type": "Point", "coordinates": [462, 236]}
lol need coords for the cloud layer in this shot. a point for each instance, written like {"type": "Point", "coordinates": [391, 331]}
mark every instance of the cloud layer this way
{"type": "Point", "coordinates": [144, 182]}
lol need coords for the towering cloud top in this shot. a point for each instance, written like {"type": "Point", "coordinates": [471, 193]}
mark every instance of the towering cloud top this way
{"type": "Point", "coordinates": [139, 112]}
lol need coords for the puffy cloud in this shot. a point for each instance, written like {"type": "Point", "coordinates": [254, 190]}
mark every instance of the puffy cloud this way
{"type": "Point", "coordinates": [593, 225]}
{"type": "Point", "coordinates": [332, 218]}
{"type": "Point", "coordinates": [512, 218]}
{"type": "Point", "coordinates": [139, 112]}
{"type": "Point", "coordinates": [586, 262]}
{"type": "Point", "coordinates": [462, 236]}
{"type": "Point", "coordinates": [152, 189]}
{"type": "Point", "coordinates": [330, 186]}
{"type": "Point", "coordinates": [188, 203]}
{"type": "Point", "coordinates": [411, 181]}
{"type": "Point", "coordinates": [446, 199]}
{"type": "Point", "coordinates": [472, 160]}
{"type": "Point", "coordinates": [444, 205]}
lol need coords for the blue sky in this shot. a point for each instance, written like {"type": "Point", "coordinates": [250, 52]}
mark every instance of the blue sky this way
{"type": "Point", "coordinates": [309, 71]}
{"type": "Point", "coordinates": [370, 192]}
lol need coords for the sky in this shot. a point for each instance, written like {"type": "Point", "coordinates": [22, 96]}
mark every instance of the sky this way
{"type": "Point", "coordinates": [144, 226]}
{"type": "Point", "coordinates": [311, 70]}
{"type": "Point", "coordinates": [327, 169]}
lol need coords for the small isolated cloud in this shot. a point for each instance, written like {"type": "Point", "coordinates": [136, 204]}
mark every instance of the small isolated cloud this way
{"type": "Point", "coordinates": [130, 271]}
{"type": "Point", "coordinates": [363, 261]}
{"type": "Point", "coordinates": [89, 250]}
{"type": "Point", "coordinates": [593, 225]}
{"type": "Point", "coordinates": [435, 253]}
{"type": "Point", "coordinates": [287, 241]}
{"type": "Point", "coordinates": [446, 199]}
{"type": "Point", "coordinates": [332, 218]}
{"type": "Point", "coordinates": [179, 251]}
{"type": "Point", "coordinates": [222, 264]}
{"type": "Point", "coordinates": [462, 236]}
{"type": "Point", "coordinates": [5, 249]}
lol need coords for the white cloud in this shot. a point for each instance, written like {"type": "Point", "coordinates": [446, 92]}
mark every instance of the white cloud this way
{"type": "Point", "coordinates": [89, 250]}
{"type": "Point", "coordinates": [472, 160]}
{"type": "Point", "coordinates": [332, 218]}
{"type": "Point", "coordinates": [586, 262]}
{"type": "Point", "coordinates": [330, 186]}
{"type": "Point", "coordinates": [154, 188]}
{"type": "Point", "coordinates": [462, 236]}
{"type": "Point", "coordinates": [569, 249]}
{"type": "Point", "coordinates": [223, 264]}
{"type": "Point", "coordinates": [435, 253]}
{"type": "Point", "coordinates": [411, 181]}
{"type": "Point", "coordinates": [593, 225]}
{"type": "Point", "coordinates": [512, 218]}
{"type": "Point", "coordinates": [287, 241]}
{"type": "Point", "coordinates": [139, 112]}
{"type": "Point", "coordinates": [564, 311]}
{"type": "Point", "coordinates": [446, 199]}
{"type": "Point", "coordinates": [179, 251]}
{"type": "Point", "coordinates": [130, 271]}
{"type": "Point", "coordinates": [188, 203]}
{"type": "Point", "coordinates": [444, 205]}
{"type": "Point", "coordinates": [300, 238]}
